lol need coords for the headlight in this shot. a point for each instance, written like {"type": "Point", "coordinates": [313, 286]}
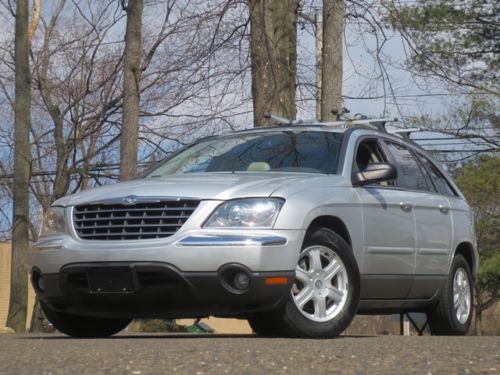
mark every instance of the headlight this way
{"type": "Point", "coordinates": [243, 213]}
{"type": "Point", "coordinates": [53, 221]}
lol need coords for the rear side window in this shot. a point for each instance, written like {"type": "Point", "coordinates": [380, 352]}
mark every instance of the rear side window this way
{"type": "Point", "coordinates": [439, 181]}
{"type": "Point", "coordinates": [410, 176]}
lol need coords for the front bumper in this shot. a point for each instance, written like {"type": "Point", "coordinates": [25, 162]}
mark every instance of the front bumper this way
{"type": "Point", "coordinates": [187, 250]}
{"type": "Point", "coordinates": [158, 290]}
{"type": "Point", "coordinates": [179, 276]}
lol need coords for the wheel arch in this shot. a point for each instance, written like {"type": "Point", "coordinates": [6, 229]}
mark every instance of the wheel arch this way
{"type": "Point", "coordinates": [333, 223]}
{"type": "Point", "coordinates": [466, 249]}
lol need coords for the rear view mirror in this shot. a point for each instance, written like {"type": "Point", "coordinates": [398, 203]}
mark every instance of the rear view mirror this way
{"type": "Point", "coordinates": [376, 172]}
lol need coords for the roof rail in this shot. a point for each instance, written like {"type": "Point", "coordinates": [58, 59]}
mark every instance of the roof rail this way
{"type": "Point", "coordinates": [377, 123]}
{"type": "Point", "coordinates": [278, 120]}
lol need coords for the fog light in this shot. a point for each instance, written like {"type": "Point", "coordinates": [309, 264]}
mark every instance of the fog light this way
{"type": "Point", "coordinates": [241, 281]}
{"type": "Point", "coordinates": [38, 280]}
{"type": "Point", "coordinates": [41, 284]}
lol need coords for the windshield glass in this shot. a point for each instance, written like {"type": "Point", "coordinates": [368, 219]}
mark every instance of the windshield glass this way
{"type": "Point", "coordinates": [279, 151]}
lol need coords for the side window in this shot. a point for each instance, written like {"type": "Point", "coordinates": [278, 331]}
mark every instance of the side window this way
{"type": "Point", "coordinates": [369, 152]}
{"type": "Point", "coordinates": [437, 177]}
{"type": "Point", "coordinates": [410, 176]}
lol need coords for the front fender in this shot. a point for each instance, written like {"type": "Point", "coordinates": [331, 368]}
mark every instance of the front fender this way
{"type": "Point", "coordinates": [302, 208]}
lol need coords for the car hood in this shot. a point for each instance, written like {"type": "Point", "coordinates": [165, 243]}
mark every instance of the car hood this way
{"type": "Point", "coordinates": [217, 186]}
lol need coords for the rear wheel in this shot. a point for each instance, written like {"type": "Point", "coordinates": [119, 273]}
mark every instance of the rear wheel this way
{"type": "Point", "coordinates": [325, 295]}
{"type": "Point", "coordinates": [82, 326]}
{"type": "Point", "coordinates": [453, 314]}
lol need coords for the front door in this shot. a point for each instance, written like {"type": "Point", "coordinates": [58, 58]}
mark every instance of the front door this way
{"type": "Point", "coordinates": [389, 232]}
{"type": "Point", "coordinates": [389, 245]}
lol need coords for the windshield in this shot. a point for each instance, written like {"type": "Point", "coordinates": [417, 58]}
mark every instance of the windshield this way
{"type": "Point", "coordinates": [279, 151]}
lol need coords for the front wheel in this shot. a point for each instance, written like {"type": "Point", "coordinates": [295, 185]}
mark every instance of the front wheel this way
{"type": "Point", "coordinates": [453, 313]}
{"type": "Point", "coordinates": [266, 324]}
{"type": "Point", "coordinates": [82, 326]}
{"type": "Point", "coordinates": [325, 295]}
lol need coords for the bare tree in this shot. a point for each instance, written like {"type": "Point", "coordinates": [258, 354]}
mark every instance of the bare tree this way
{"type": "Point", "coordinates": [22, 159]}
{"type": "Point", "coordinates": [34, 19]}
{"type": "Point", "coordinates": [77, 91]}
{"type": "Point", "coordinates": [77, 66]}
{"type": "Point", "coordinates": [187, 82]}
{"type": "Point", "coordinates": [331, 59]}
{"type": "Point", "coordinates": [273, 44]}
{"type": "Point", "coordinates": [131, 81]}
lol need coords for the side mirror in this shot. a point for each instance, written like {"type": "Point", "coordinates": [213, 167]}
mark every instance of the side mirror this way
{"type": "Point", "coordinates": [376, 172]}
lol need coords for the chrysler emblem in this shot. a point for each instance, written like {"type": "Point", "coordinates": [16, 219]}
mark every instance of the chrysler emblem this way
{"type": "Point", "coordinates": [130, 200]}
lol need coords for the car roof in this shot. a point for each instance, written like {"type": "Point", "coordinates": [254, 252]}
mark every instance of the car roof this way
{"type": "Point", "coordinates": [355, 129]}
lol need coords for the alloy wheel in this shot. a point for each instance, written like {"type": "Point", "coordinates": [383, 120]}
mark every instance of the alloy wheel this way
{"type": "Point", "coordinates": [321, 284]}
{"type": "Point", "coordinates": [461, 295]}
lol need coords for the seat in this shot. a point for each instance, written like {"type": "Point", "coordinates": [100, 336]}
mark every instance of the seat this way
{"type": "Point", "coordinates": [363, 158]}
{"type": "Point", "coordinates": [258, 166]}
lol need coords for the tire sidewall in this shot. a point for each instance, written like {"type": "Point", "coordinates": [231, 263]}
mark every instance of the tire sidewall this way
{"type": "Point", "coordinates": [459, 262]}
{"type": "Point", "coordinates": [301, 325]}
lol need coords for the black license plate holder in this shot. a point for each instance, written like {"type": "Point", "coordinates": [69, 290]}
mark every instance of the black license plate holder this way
{"type": "Point", "coordinates": [111, 280]}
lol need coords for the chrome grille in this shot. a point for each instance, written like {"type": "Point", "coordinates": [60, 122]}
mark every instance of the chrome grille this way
{"type": "Point", "coordinates": [140, 221]}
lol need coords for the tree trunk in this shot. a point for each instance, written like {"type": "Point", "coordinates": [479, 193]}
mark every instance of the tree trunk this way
{"type": "Point", "coordinates": [131, 79]}
{"type": "Point", "coordinates": [34, 20]}
{"type": "Point", "coordinates": [22, 160]}
{"type": "Point", "coordinates": [38, 320]}
{"type": "Point", "coordinates": [331, 57]}
{"type": "Point", "coordinates": [273, 47]}
{"type": "Point", "coordinates": [477, 321]}
{"type": "Point", "coordinates": [318, 21]}
{"type": "Point", "coordinates": [61, 183]}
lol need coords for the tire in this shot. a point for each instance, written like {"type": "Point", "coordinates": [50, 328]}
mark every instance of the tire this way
{"type": "Point", "coordinates": [325, 295]}
{"type": "Point", "coordinates": [448, 318]}
{"type": "Point", "coordinates": [267, 324]}
{"type": "Point", "coordinates": [82, 326]}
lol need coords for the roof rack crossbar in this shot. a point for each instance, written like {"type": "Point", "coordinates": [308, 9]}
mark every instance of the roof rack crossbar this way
{"type": "Point", "coordinates": [405, 133]}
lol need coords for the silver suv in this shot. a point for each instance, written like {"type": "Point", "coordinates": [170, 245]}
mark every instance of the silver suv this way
{"type": "Point", "coordinates": [295, 228]}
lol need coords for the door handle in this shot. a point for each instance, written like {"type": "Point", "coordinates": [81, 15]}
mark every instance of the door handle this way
{"type": "Point", "coordinates": [444, 209]}
{"type": "Point", "coordinates": [405, 206]}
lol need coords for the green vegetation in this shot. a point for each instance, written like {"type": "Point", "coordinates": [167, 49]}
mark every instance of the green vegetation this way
{"type": "Point", "coordinates": [155, 325]}
{"type": "Point", "coordinates": [456, 40]}
{"type": "Point", "coordinates": [480, 181]}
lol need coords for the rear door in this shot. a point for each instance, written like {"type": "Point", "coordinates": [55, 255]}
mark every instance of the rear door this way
{"type": "Point", "coordinates": [433, 224]}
